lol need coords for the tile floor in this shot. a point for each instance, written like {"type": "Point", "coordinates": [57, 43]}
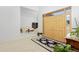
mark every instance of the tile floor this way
{"type": "Point", "coordinates": [24, 44]}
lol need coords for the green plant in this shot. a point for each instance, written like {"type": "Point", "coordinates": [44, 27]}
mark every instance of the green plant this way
{"type": "Point", "coordinates": [67, 48]}
{"type": "Point", "coordinates": [72, 33]}
{"type": "Point", "coordinates": [77, 31]}
{"type": "Point", "coordinates": [62, 48]}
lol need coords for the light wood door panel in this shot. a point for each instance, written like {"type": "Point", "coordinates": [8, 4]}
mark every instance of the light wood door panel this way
{"type": "Point", "coordinates": [55, 27]}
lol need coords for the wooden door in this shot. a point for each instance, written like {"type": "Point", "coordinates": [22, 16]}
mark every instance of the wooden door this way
{"type": "Point", "coordinates": [55, 27]}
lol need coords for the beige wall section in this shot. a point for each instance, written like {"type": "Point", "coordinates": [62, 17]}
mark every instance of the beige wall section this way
{"type": "Point", "coordinates": [55, 27]}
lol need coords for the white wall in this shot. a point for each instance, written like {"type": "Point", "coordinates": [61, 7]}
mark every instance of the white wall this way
{"type": "Point", "coordinates": [9, 23]}
{"type": "Point", "coordinates": [27, 17]}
